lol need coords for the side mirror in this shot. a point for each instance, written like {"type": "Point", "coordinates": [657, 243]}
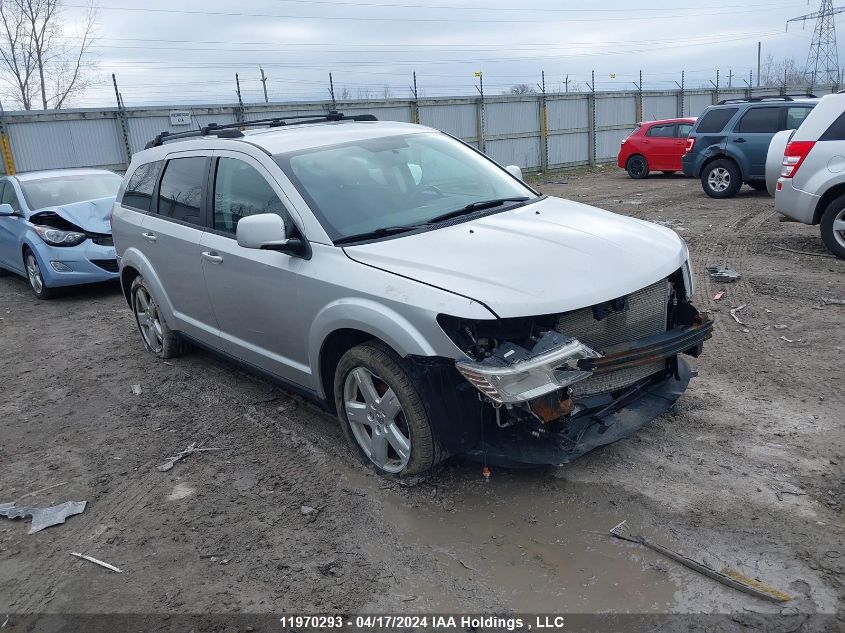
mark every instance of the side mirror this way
{"type": "Point", "coordinates": [7, 210]}
{"type": "Point", "coordinates": [514, 171]}
{"type": "Point", "coordinates": [267, 231]}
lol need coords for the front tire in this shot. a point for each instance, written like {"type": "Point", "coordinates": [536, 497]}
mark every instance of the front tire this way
{"type": "Point", "coordinates": [157, 336]}
{"type": "Point", "coordinates": [637, 167]}
{"type": "Point", "coordinates": [383, 415]}
{"type": "Point", "coordinates": [721, 179]}
{"type": "Point", "coordinates": [35, 277]}
{"type": "Point", "coordinates": [832, 227]}
{"type": "Point", "coordinates": [758, 185]}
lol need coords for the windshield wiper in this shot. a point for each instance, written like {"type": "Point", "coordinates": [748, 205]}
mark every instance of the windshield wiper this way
{"type": "Point", "coordinates": [475, 206]}
{"type": "Point", "coordinates": [380, 232]}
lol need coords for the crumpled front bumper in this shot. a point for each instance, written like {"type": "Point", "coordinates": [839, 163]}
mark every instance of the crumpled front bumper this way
{"type": "Point", "coordinates": [602, 421]}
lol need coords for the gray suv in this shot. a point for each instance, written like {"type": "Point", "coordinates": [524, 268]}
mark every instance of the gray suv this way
{"type": "Point", "coordinates": [423, 293]}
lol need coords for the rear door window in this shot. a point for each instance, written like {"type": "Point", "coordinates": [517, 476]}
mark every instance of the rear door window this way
{"type": "Point", "coordinates": [715, 120]}
{"type": "Point", "coordinates": [760, 120]}
{"type": "Point", "coordinates": [180, 193]}
{"type": "Point", "coordinates": [662, 131]}
{"type": "Point", "coordinates": [139, 190]}
{"type": "Point", "coordinates": [795, 117]}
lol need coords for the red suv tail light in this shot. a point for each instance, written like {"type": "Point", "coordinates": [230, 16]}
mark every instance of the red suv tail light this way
{"type": "Point", "coordinates": [690, 144]}
{"type": "Point", "coordinates": [796, 152]}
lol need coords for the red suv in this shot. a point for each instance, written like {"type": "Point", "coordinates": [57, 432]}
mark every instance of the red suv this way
{"type": "Point", "coordinates": [655, 146]}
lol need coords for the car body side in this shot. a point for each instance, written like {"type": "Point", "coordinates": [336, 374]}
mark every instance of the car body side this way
{"type": "Point", "coordinates": [662, 153]}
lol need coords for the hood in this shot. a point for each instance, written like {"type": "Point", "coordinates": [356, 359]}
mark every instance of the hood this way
{"type": "Point", "coordinates": [550, 256]}
{"type": "Point", "coordinates": [89, 215]}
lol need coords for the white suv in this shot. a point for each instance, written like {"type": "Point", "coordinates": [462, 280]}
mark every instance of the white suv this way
{"type": "Point", "coordinates": [811, 185]}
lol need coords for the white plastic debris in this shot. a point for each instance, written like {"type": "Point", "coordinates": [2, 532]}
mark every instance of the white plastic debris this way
{"type": "Point", "coordinates": [96, 561]}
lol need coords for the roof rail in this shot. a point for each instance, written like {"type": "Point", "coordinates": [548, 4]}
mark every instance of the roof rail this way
{"type": "Point", "coordinates": [233, 130]}
{"type": "Point", "coordinates": [767, 98]}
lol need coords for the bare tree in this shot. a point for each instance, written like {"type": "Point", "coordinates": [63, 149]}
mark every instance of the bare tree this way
{"type": "Point", "coordinates": [521, 89]}
{"type": "Point", "coordinates": [781, 72]}
{"type": "Point", "coordinates": [38, 61]}
{"type": "Point", "coordinates": [386, 92]}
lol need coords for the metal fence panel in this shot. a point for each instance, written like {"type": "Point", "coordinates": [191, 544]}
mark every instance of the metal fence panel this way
{"type": "Point", "coordinates": [567, 114]}
{"type": "Point", "coordinates": [569, 149]}
{"type": "Point", "coordinates": [512, 117]}
{"type": "Point", "coordinates": [65, 143]}
{"type": "Point", "coordinates": [524, 152]}
{"type": "Point", "coordinates": [694, 104]}
{"type": "Point", "coordinates": [459, 119]}
{"type": "Point", "coordinates": [608, 143]}
{"type": "Point", "coordinates": [660, 107]}
{"type": "Point", "coordinates": [616, 110]}
{"type": "Point", "coordinates": [144, 127]}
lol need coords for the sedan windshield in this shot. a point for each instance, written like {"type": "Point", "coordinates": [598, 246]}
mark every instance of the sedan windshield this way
{"type": "Point", "coordinates": [61, 190]}
{"type": "Point", "coordinates": [397, 182]}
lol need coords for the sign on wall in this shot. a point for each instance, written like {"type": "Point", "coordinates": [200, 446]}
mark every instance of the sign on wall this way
{"type": "Point", "coordinates": [180, 117]}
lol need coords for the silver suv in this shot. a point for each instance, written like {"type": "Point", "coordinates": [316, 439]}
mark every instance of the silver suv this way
{"type": "Point", "coordinates": [427, 296]}
{"type": "Point", "coordinates": [805, 171]}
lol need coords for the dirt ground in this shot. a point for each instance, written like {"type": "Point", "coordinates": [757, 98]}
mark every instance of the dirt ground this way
{"type": "Point", "coordinates": [747, 472]}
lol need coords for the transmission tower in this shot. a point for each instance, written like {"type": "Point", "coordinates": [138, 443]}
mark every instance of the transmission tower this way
{"type": "Point", "coordinates": [823, 59]}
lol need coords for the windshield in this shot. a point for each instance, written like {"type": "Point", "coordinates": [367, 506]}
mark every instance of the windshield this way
{"type": "Point", "coordinates": [363, 186]}
{"type": "Point", "coordinates": [60, 190]}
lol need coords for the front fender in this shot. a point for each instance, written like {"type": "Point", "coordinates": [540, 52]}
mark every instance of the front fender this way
{"type": "Point", "coordinates": [134, 258]}
{"type": "Point", "coordinates": [370, 317]}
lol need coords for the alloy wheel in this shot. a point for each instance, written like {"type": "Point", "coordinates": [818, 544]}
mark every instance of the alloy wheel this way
{"type": "Point", "coordinates": [377, 420]}
{"type": "Point", "coordinates": [839, 228]}
{"type": "Point", "coordinates": [148, 318]}
{"type": "Point", "coordinates": [719, 179]}
{"type": "Point", "coordinates": [33, 273]}
{"type": "Point", "coordinates": [637, 166]}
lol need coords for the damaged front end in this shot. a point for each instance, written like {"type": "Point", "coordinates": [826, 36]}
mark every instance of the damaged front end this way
{"type": "Point", "coordinates": [554, 387]}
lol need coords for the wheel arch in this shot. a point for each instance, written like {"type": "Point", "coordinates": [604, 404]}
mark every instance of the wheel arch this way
{"type": "Point", "coordinates": [829, 196]}
{"type": "Point", "coordinates": [127, 276]}
{"type": "Point", "coordinates": [332, 350]}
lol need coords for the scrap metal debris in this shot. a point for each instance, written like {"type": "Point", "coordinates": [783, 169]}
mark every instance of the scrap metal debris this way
{"type": "Point", "coordinates": [190, 450]}
{"type": "Point", "coordinates": [718, 295]}
{"type": "Point", "coordinates": [833, 302]}
{"type": "Point", "coordinates": [728, 577]}
{"type": "Point", "coordinates": [91, 559]}
{"type": "Point", "coordinates": [735, 317]}
{"type": "Point", "coordinates": [42, 517]}
{"type": "Point", "coordinates": [718, 273]}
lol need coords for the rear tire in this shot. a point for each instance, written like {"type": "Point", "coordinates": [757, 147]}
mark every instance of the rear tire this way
{"type": "Point", "coordinates": [637, 167]}
{"type": "Point", "coordinates": [382, 414]}
{"type": "Point", "coordinates": [832, 227]}
{"type": "Point", "coordinates": [156, 335]}
{"type": "Point", "coordinates": [721, 179]}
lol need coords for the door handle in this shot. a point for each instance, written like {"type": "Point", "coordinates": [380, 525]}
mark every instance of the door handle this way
{"type": "Point", "coordinates": [212, 257]}
{"type": "Point", "coordinates": [739, 140]}
{"type": "Point", "coordinates": [150, 237]}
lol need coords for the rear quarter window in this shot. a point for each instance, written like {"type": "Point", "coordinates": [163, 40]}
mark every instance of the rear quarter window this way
{"type": "Point", "coordinates": [715, 120]}
{"type": "Point", "coordinates": [139, 190]}
{"type": "Point", "coordinates": [836, 131]}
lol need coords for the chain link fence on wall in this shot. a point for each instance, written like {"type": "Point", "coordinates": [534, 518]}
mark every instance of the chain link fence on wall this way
{"type": "Point", "coordinates": [536, 132]}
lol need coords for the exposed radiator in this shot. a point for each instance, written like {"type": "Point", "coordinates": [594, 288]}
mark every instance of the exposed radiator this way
{"type": "Point", "coordinates": [645, 316]}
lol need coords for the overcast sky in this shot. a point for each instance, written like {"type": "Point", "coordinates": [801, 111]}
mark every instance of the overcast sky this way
{"type": "Point", "coordinates": [188, 51]}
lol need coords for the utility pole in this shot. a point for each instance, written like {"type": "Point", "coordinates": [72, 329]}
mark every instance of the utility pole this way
{"type": "Point", "coordinates": [567, 83]}
{"type": "Point", "coordinates": [264, 84]}
{"type": "Point", "coordinates": [759, 49]}
{"type": "Point", "coordinates": [124, 126]}
{"type": "Point", "coordinates": [823, 58]}
{"type": "Point", "coordinates": [730, 77]}
{"type": "Point", "coordinates": [331, 91]}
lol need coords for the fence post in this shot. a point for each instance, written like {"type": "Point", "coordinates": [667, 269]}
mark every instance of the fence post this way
{"type": "Point", "coordinates": [415, 104]}
{"type": "Point", "coordinates": [591, 129]}
{"type": "Point", "coordinates": [544, 126]}
{"type": "Point", "coordinates": [5, 145]}
{"type": "Point", "coordinates": [124, 125]}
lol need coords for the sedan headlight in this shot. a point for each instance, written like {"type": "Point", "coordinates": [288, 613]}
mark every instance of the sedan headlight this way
{"type": "Point", "coordinates": [530, 378]}
{"type": "Point", "coordinates": [57, 237]}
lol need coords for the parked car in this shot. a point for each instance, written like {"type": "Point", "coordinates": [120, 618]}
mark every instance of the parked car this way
{"type": "Point", "coordinates": [729, 142]}
{"type": "Point", "coordinates": [427, 296]}
{"type": "Point", "coordinates": [655, 146]}
{"type": "Point", "coordinates": [810, 185]}
{"type": "Point", "coordinates": [54, 227]}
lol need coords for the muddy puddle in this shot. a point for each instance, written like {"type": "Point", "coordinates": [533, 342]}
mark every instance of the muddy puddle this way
{"type": "Point", "coordinates": [537, 540]}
